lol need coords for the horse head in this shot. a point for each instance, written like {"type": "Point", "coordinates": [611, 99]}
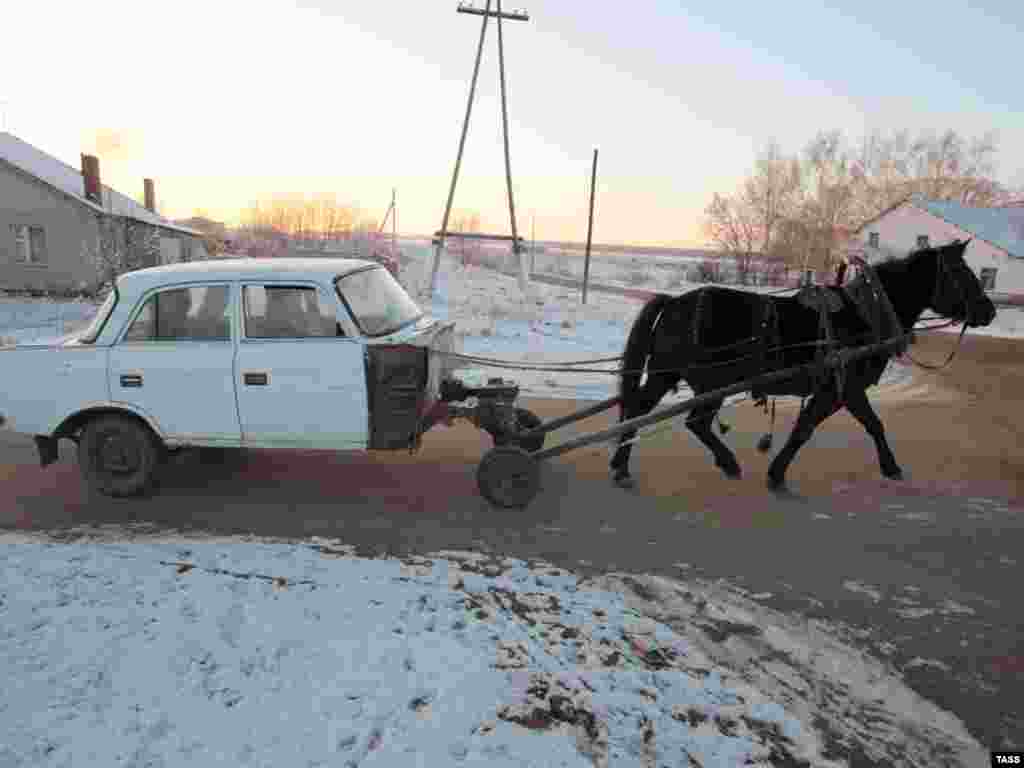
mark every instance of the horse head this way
{"type": "Point", "coordinates": [957, 293]}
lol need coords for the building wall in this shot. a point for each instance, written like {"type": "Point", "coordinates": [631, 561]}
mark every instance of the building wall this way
{"type": "Point", "coordinates": [170, 250]}
{"type": "Point", "coordinates": [67, 226]}
{"type": "Point", "coordinates": [899, 229]}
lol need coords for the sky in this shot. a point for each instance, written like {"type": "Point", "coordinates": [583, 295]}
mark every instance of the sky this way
{"type": "Point", "coordinates": [225, 102]}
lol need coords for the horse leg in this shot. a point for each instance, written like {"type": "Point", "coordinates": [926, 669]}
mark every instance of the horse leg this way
{"type": "Point", "coordinates": [699, 423]}
{"type": "Point", "coordinates": [820, 407]}
{"type": "Point", "coordinates": [648, 396]}
{"type": "Point", "coordinates": [857, 403]}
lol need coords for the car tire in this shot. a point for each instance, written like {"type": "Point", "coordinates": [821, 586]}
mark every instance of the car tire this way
{"type": "Point", "coordinates": [119, 456]}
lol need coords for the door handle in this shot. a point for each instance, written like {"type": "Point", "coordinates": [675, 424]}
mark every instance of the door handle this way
{"type": "Point", "coordinates": [255, 379]}
{"type": "Point", "coordinates": [131, 379]}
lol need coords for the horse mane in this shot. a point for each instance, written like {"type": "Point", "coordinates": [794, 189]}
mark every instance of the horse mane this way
{"type": "Point", "coordinates": [896, 263]}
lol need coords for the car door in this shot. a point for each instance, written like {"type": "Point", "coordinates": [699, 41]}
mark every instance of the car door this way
{"type": "Point", "coordinates": [175, 362]}
{"type": "Point", "coordinates": [301, 380]}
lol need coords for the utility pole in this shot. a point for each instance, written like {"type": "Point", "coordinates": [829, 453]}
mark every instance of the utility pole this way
{"type": "Point", "coordinates": [533, 242]}
{"type": "Point", "coordinates": [590, 228]}
{"type": "Point", "coordinates": [487, 14]}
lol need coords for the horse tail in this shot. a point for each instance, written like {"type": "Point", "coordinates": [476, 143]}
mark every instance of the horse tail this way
{"type": "Point", "coordinates": [638, 347]}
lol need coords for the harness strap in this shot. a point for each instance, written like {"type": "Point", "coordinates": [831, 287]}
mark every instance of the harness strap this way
{"type": "Point", "coordinates": [770, 339]}
{"type": "Point", "coordinates": [699, 315]}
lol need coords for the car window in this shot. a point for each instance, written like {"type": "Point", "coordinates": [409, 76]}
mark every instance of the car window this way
{"type": "Point", "coordinates": [288, 312]}
{"type": "Point", "coordinates": [200, 313]}
{"type": "Point", "coordinates": [380, 305]}
{"type": "Point", "coordinates": [91, 332]}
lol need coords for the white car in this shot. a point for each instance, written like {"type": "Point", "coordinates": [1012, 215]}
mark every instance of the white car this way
{"type": "Point", "coordinates": [262, 353]}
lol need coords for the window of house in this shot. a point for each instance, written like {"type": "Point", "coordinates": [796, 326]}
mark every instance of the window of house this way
{"type": "Point", "coordinates": [199, 313]}
{"type": "Point", "coordinates": [29, 244]}
{"type": "Point", "coordinates": [288, 312]}
{"type": "Point", "coordinates": [922, 241]}
{"type": "Point", "coordinates": [988, 278]}
{"type": "Point", "coordinates": [873, 239]}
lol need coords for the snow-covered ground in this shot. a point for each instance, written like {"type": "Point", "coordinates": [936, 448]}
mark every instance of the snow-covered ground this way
{"type": "Point", "coordinates": [128, 649]}
{"type": "Point", "coordinates": [24, 320]}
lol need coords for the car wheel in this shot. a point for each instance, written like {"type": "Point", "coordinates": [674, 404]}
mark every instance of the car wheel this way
{"type": "Point", "coordinates": [119, 456]}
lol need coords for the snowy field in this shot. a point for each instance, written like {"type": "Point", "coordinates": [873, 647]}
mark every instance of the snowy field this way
{"type": "Point", "coordinates": [121, 649]}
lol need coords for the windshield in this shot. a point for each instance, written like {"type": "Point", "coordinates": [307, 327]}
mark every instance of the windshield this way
{"type": "Point", "coordinates": [379, 304]}
{"type": "Point", "coordinates": [91, 332]}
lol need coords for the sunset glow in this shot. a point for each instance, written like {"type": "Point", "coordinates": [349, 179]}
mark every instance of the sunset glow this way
{"type": "Point", "coordinates": [224, 102]}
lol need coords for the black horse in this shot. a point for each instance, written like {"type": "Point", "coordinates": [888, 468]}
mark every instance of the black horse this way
{"type": "Point", "coordinates": [715, 337]}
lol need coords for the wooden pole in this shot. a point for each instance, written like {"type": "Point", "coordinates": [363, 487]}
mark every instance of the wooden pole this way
{"type": "Point", "coordinates": [590, 228]}
{"type": "Point", "coordinates": [533, 242]}
{"type": "Point", "coordinates": [504, 134]}
{"type": "Point", "coordinates": [517, 251]}
{"type": "Point", "coordinates": [462, 145]}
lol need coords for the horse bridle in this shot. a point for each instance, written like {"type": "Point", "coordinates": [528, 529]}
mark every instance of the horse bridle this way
{"type": "Point", "coordinates": [941, 269]}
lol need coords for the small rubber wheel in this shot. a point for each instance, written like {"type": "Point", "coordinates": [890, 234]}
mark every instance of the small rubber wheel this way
{"type": "Point", "coordinates": [508, 477]}
{"type": "Point", "coordinates": [525, 421]}
{"type": "Point", "coordinates": [118, 456]}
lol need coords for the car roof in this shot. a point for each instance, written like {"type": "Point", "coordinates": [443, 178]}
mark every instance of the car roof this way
{"type": "Point", "coordinates": [141, 280]}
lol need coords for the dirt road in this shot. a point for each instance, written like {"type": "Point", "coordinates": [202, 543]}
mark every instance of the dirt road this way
{"type": "Point", "coordinates": [925, 573]}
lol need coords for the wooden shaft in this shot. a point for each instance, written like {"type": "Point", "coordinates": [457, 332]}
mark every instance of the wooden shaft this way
{"type": "Point", "coordinates": [840, 358]}
{"type": "Point", "coordinates": [561, 421]}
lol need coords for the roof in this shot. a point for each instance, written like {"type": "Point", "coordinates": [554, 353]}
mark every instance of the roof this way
{"type": "Point", "coordinates": [141, 280]}
{"type": "Point", "coordinates": [1003, 227]}
{"type": "Point", "coordinates": [881, 214]}
{"type": "Point", "coordinates": [69, 180]}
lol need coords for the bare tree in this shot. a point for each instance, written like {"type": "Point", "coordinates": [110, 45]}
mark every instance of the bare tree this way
{"type": "Point", "coordinates": [829, 198]}
{"type": "Point", "coordinates": [120, 246]}
{"type": "Point", "coordinates": [801, 206]}
{"type": "Point", "coordinates": [890, 168]}
{"type": "Point", "coordinates": [734, 227]}
{"type": "Point", "coordinates": [773, 191]}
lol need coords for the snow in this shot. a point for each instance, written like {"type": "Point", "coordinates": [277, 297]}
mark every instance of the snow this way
{"type": "Point", "coordinates": [23, 320]}
{"type": "Point", "coordinates": [161, 650]}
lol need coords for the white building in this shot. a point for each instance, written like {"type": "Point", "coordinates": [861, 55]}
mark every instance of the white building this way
{"type": "Point", "coordinates": [996, 251]}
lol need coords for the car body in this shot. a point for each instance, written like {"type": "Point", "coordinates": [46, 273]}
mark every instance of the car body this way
{"type": "Point", "coordinates": [259, 353]}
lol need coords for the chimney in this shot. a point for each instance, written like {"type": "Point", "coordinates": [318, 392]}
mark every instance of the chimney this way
{"type": "Point", "coordinates": [150, 195]}
{"type": "Point", "coordinates": [91, 178]}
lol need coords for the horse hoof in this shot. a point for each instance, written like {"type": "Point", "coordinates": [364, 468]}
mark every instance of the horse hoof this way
{"type": "Point", "coordinates": [732, 472]}
{"type": "Point", "coordinates": [623, 480]}
{"type": "Point", "coordinates": [893, 474]}
{"type": "Point", "coordinates": [777, 485]}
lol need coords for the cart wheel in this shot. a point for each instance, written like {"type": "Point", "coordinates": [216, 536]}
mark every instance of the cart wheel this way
{"type": "Point", "coordinates": [525, 421]}
{"type": "Point", "coordinates": [508, 477]}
